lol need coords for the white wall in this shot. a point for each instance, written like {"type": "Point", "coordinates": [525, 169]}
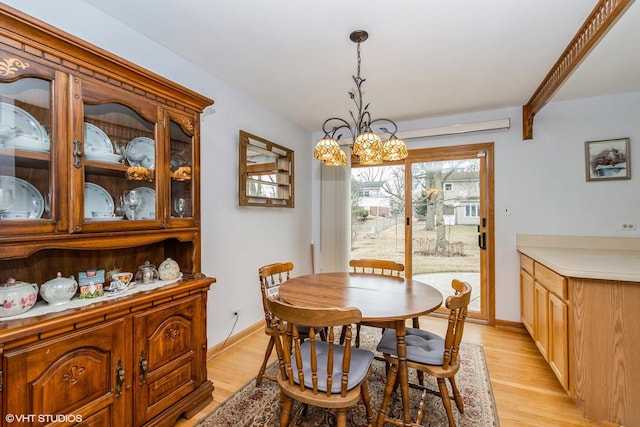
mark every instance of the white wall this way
{"type": "Point", "coordinates": [235, 240]}
{"type": "Point", "coordinates": [543, 180]}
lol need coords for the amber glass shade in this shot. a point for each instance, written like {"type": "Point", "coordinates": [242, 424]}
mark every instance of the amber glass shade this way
{"type": "Point", "coordinates": [367, 142]}
{"type": "Point", "coordinates": [339, 159]}
{"type": "Point", "coordinates": [326, 149]}
{"type": "Point", "coordinates": [394, 149]}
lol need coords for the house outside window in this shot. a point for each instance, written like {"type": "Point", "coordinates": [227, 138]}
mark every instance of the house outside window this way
{"type": "Point", "coordinates": [448, 186]}
{"type": "Point", "coordinates": [472, 210]}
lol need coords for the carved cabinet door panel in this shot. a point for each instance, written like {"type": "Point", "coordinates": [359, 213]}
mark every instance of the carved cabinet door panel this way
{"type": "Point", "coordinates": [80, 376]}
{"type": "Point", "coordinates": [166, 355]}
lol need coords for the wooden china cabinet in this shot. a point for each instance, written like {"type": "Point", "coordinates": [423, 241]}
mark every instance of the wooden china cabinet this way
{"type": "Point", "coordinates": [79, 129]}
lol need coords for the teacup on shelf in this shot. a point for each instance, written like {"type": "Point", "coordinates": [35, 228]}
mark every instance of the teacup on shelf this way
{"type": "Point", "coordinates": [122, 278]}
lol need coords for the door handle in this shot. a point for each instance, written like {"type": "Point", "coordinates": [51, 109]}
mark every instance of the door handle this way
{"type": "Point", "coordinates": [482, 240]}
{"type": "Point", "coordinates": [77, 153]}
{"type": "Point", "coordinates": [144, 367]}
{"type": "Point", "coordinates": [119, 378]}
{"type": "Point", "coordinates": [482, 236]}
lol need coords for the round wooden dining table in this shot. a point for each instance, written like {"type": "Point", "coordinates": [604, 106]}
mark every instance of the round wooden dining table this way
{"type": "Point", "coordinates": [384, 300]}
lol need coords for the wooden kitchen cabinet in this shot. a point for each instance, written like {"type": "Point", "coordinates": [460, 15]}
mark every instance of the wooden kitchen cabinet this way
{"type": "Point", "coordinates": [544, 312]}
{"type": "Point", "coordinates": [527, 309]}
{"type": "Point", "coordinates": [593, 319]}
{"type": "Point", "coordinates": [79, 128]}
{"type": "Point", "coordinates": [558, 354]}
{"type": "Point", "coordinates": [541, 304]}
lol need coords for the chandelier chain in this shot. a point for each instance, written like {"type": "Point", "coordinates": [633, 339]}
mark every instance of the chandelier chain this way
{"type": "Point", "coordinates": [358, 74]}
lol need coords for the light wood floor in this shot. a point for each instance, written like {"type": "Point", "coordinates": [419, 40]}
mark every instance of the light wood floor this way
{"type": "Point", "coordinates": [525, 389]}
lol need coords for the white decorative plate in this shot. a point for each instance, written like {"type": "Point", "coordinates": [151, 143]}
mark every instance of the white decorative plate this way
{"type": "Point", "coordinates": [141, 152]}
{"type": "Point", "coordinates": [148, 208]}
{"type": "Point", "coordinates": [96, 199]}
{"type": "Point", "coordinates": [95, 140]}
{"type": "Point", "coordinates": [26, 197]}
{"type": "Point", "coordinates": [28, 143]}
{"type": "Point", "coordinates": [14, 122]}
{"type": "Point", "coordinates": [103, 157]}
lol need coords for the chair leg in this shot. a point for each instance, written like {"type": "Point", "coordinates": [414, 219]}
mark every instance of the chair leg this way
{"type": "Point", "coordinates": [285, 411]}
{"type": "Point", "coordinates": [416, 322]}
{"type": "Point", "coordinates": [341, 417]}
{"type": "Point", "coordinates": [358, 335]}
{"type": "Point", "coordinates": [456, 395]}
{"type": "Point", "coordinates": [423, 404]}
{"type": "Point", "coordinates": [366, 399]}
{"type": "Point", "coordinates": [388, 390]}
{"type": "Point", "coordinates": [267, 354]}
{"type": "Point", "coordinates": [446, 402]}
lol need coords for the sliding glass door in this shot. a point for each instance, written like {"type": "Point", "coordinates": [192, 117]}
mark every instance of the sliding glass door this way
{"type": "Point", "coordinates": [433, 213]}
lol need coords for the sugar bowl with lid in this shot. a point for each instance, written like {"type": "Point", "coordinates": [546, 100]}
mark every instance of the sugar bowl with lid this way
{"type": "Point", "coordinates": [17, 297]}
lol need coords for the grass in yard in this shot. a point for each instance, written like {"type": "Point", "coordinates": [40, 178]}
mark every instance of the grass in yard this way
{"type": "Point", "coordinates": [383, 238]}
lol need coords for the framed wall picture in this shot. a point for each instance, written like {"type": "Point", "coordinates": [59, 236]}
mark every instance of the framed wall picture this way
{"type": "Point", "coordinates": [607, 159]}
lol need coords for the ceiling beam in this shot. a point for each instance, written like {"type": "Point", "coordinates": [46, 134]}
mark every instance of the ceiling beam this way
{"type": "Point", "coordinates": [602, 18]}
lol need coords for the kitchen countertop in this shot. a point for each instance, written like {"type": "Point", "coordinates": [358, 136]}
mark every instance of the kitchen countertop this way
{"type": "Point", "coordinates": [585, 257]}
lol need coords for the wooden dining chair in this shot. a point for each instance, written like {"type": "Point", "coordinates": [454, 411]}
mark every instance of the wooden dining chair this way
{"type": "Point", "coordinates": [430, 354]}
{"type": "Point", "coordinates": [271, 277]}
{"type": "Point", "coordinates": [377, 266]}
{"type": "Point", "coordinates": [319, 372]}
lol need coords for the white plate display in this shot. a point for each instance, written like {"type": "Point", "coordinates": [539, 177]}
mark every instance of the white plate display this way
{"type": "Point", "coordinates": [96, 199]}
{"type": "Point", "coordinates": [15, 122]}
{"type": "Point", "coordinates": [141, 152]}
{"type": "Point", "coordinates": [26, 197]}
{"type": "Point", "coordinates": [103, 157]}
{"type": "Point", "coordinates": [148, 208]}
{"type": "Point", "coordinates": [95, 140]}
{"type": "Point", "coordinates": [28, 143]}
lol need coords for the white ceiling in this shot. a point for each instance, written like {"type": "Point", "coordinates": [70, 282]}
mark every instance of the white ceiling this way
{"type": "Point", "coordinates": [424, 58]}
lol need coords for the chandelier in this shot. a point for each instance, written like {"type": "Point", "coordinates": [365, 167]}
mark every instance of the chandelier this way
{"type": "Point", "coordinates": [367, 145]}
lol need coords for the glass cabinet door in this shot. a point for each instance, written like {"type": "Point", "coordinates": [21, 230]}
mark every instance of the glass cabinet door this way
{"type": "Point", "coordinates": [119, 164]}
{"type": "Point", "coordinates": [25, 154]}
{"type": "Point", "coordinates": [114, 160]}
{"type": "Point", "coordinates": [181, 159]}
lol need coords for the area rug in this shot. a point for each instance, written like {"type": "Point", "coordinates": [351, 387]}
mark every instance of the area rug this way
{"type": "Point", "coordinates": [258, 406]}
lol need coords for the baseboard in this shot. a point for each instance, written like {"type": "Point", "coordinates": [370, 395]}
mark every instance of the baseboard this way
{"type": "Point", "coordinates": [225, 345]}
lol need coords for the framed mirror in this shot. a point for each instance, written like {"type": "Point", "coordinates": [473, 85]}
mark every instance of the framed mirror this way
{"type": "Point", "coordinates": [266, 173]}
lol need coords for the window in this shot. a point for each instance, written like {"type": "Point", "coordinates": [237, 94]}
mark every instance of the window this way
{"type": "Point", "coordinates": [472, 209]}
{"type": "Point", "coordinates": [448, 186]}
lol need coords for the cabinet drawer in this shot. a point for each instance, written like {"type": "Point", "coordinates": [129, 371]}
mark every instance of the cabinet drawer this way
{"type": "Point", "coordinates": [526, 264]}
{"type": "Point", "coordinates": [551, 280]}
